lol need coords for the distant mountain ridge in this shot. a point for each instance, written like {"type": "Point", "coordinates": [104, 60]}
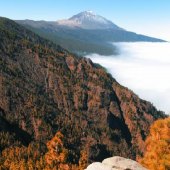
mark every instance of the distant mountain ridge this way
{"type": "Point", "coordinates": [85, 33]}
{"type": "Point", "coordinates": [89, 20]}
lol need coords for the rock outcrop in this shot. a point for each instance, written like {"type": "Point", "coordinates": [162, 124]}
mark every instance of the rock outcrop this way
{"type": "Point", "coordinates": [116, 163]}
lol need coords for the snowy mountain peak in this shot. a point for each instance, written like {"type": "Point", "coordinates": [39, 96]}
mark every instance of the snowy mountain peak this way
{"type": "Point", "coordinates": [87, 14]}
{"type": "Point", "coordinates": [88, 20]}
{"type": "Point", "coordinates": [89, 11]}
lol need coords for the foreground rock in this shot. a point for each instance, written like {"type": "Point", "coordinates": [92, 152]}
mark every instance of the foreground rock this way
{"type": "Point", "coordinates": [116, 163]}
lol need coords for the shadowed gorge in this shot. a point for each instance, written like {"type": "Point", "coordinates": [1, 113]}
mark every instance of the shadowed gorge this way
{"type": "Point", "coordinates": [45, 89]}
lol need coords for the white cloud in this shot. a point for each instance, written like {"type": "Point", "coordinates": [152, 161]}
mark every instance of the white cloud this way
{"type": "Point", "coordinates": [144, 68]}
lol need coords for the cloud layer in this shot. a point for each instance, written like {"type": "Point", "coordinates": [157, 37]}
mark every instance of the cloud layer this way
{"type": "Point", "coordinates": [143, 67]}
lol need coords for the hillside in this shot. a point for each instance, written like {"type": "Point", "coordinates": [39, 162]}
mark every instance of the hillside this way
{"type": "Point", "coordinates": [84, 33]}
{"type": "Point", "coordinates": [45, 89]}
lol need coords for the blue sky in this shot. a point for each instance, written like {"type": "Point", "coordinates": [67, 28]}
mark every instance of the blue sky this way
{"type": "Point", "coordinates": [150, 17]}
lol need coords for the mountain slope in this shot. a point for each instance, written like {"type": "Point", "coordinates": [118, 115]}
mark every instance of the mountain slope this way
{"type": "Point", "coordinates": [44, 88]}
{"type": "Point", "coordinates": [90, 33]}
{"type": "Point", "coordinates": [89, 20]}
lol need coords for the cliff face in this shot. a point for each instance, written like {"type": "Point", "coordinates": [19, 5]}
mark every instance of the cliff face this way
{"type": "Point", "coordinates": [44, 88]}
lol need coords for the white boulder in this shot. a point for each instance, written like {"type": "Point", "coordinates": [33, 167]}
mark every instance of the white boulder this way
{"type": "Point", "coordinates": [99, 166]}
{"type": "Point", "coordinates": [116, 163]}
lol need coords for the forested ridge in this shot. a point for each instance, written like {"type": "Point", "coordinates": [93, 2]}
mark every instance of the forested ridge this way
{"type": "Point", "coordinates": [45, 90]}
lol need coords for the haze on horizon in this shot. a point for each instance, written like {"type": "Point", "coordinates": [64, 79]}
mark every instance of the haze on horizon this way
{"type": "Point", "coordinates": [144, 17]}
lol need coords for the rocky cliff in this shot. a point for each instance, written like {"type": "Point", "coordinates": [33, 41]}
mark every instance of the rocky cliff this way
{"type": "Point", "coordinates": [44, 88]}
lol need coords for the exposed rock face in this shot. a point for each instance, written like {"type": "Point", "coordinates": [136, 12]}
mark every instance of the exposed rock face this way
{"type": "Point", "coordinates": [99, 166]}
{"type": "Point", "coordinates": [116, 163]}
{"type": "Point", "coordinates": [44, 89]}
{"type": "Point", "coordinates": [122, 163]}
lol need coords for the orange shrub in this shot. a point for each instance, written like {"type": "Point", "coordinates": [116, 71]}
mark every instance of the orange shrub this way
{"type": "Point", "coordinates": [157, 155]}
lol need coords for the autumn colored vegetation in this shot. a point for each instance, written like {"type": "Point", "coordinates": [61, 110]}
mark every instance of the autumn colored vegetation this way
{"type": "Point", "coordinates": [24, 158]}
{"type": "Point", "coordinates": [45, 89]}
{"type": "Point", "coordinates": [157, 155]}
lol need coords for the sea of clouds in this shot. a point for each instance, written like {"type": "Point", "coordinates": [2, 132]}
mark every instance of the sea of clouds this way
{"type": "Point", "coordinates": [142, 67]}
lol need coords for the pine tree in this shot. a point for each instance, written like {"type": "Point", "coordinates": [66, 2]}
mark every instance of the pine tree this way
{"type": "Point", "coordinates": [57, 154]}
{"type": "Point", "coordinates": [83, 160]}
{"type": "Point", "coordinates": [157, 155]}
